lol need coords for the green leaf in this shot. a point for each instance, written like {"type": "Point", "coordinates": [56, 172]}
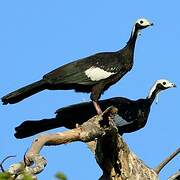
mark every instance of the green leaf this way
{"type": "Point", "coordinates": [27, 177]}
{"type": "Point", "coordinates": [4, 176]}
{"type": "Point", "coordinates": [60, 176]}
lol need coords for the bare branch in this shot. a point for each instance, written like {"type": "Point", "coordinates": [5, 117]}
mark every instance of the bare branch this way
{"type": "Point", "coordinates": [94, 128]}
{"type": "Point", "coordinates": [1, 164]}
{"type": "Point", "coordinates": [175, 176]}
{"type": "Point", "coordinates": [166, 161]}
{"type": "Point", "coordinates": [100, 133]}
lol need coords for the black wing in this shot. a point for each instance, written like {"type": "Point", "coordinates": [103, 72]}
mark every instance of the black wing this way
{"type": "Point", "coordinates": [74, 72]}
{"type": "Point", "coordinates": [79, 113]}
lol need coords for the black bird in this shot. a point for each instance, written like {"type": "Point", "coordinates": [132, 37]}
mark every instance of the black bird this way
{"type": "Point", "coordinates": [93, 74]}
{"type": "Point", "coordinates": [132, 114]}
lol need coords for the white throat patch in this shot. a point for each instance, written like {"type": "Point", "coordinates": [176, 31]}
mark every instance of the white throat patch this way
{"type": "Point", "coordinates": [96, 73]}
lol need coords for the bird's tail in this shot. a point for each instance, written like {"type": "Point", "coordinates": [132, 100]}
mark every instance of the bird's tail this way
{"type": "Point", "coordinates": [24, 92]}
{"type": "Point", "coordinates": [29, 128]}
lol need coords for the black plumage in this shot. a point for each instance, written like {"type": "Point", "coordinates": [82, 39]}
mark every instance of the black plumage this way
{"type": "Point", "coordinates": [93, 74]}
{"type": "Point", "coordinates": [132, 114]}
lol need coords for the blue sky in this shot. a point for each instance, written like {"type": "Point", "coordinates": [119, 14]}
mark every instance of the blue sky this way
{"type": "Point", "coordinates": [38, 36]}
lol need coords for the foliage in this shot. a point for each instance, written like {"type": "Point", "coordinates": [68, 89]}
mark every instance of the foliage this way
{"type": "Point", "coordinates": [27, 177]}
{"type": "Point", "coordinates": [60, 176]}
{"type": "Point", "coordinates": [4, 176]}
{"type": "Point", "coordinates": [7, 176]}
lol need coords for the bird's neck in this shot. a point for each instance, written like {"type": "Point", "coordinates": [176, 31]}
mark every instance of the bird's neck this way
{"type": "Point", "coordinates": [152, 94]}
{"type": "Point", "coordinates": [132, 40]}
{"type": "Point", "coordinates": [130, 46]}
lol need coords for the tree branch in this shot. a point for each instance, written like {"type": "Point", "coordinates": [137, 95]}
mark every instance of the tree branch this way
{"type": "Point", "coordinates": [175, 176]}
{"type": "Point", "coordinates": [100, 133]}
{"type": "Point", "coordinates": [166, 161]}
{"type": "Point", "coordinates": [1, 164]}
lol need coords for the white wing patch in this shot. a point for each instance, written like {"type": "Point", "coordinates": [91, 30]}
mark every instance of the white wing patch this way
{"type": "Point", "coordinates": [96, 74]}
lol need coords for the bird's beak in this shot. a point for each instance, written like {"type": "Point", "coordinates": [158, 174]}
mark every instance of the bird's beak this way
{"type": "Point", "coordinates": [174, 85]}
{"type": "Point", "coordinates": [151, 24]}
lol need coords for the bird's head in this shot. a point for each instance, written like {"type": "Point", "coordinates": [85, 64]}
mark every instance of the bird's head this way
{"type": "Point", "coordinates": [142, 23]}
{"type": "Point", "coordinates": [159, 86]}
{"type": "Point", "coordinates": [163, 84]}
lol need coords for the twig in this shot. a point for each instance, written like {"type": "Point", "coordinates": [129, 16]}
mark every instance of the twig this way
{"type": "Point", "coordinates": [1, 164]}
{"type": "Point", "coordinates": [175, 176]}
{"type": "Point", "coordinates": [166, 161]}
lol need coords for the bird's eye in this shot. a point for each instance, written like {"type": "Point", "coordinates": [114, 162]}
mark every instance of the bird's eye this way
{"type": "Point", "coordinates": [141, 22]}
{"type": "Point", "coordinates": [164, 83]}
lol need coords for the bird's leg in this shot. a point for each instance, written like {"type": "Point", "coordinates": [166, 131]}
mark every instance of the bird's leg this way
{"type": "Point", "coordinates": [95, 95]}
{"type": "Point", "coordinates": [97, 107]}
